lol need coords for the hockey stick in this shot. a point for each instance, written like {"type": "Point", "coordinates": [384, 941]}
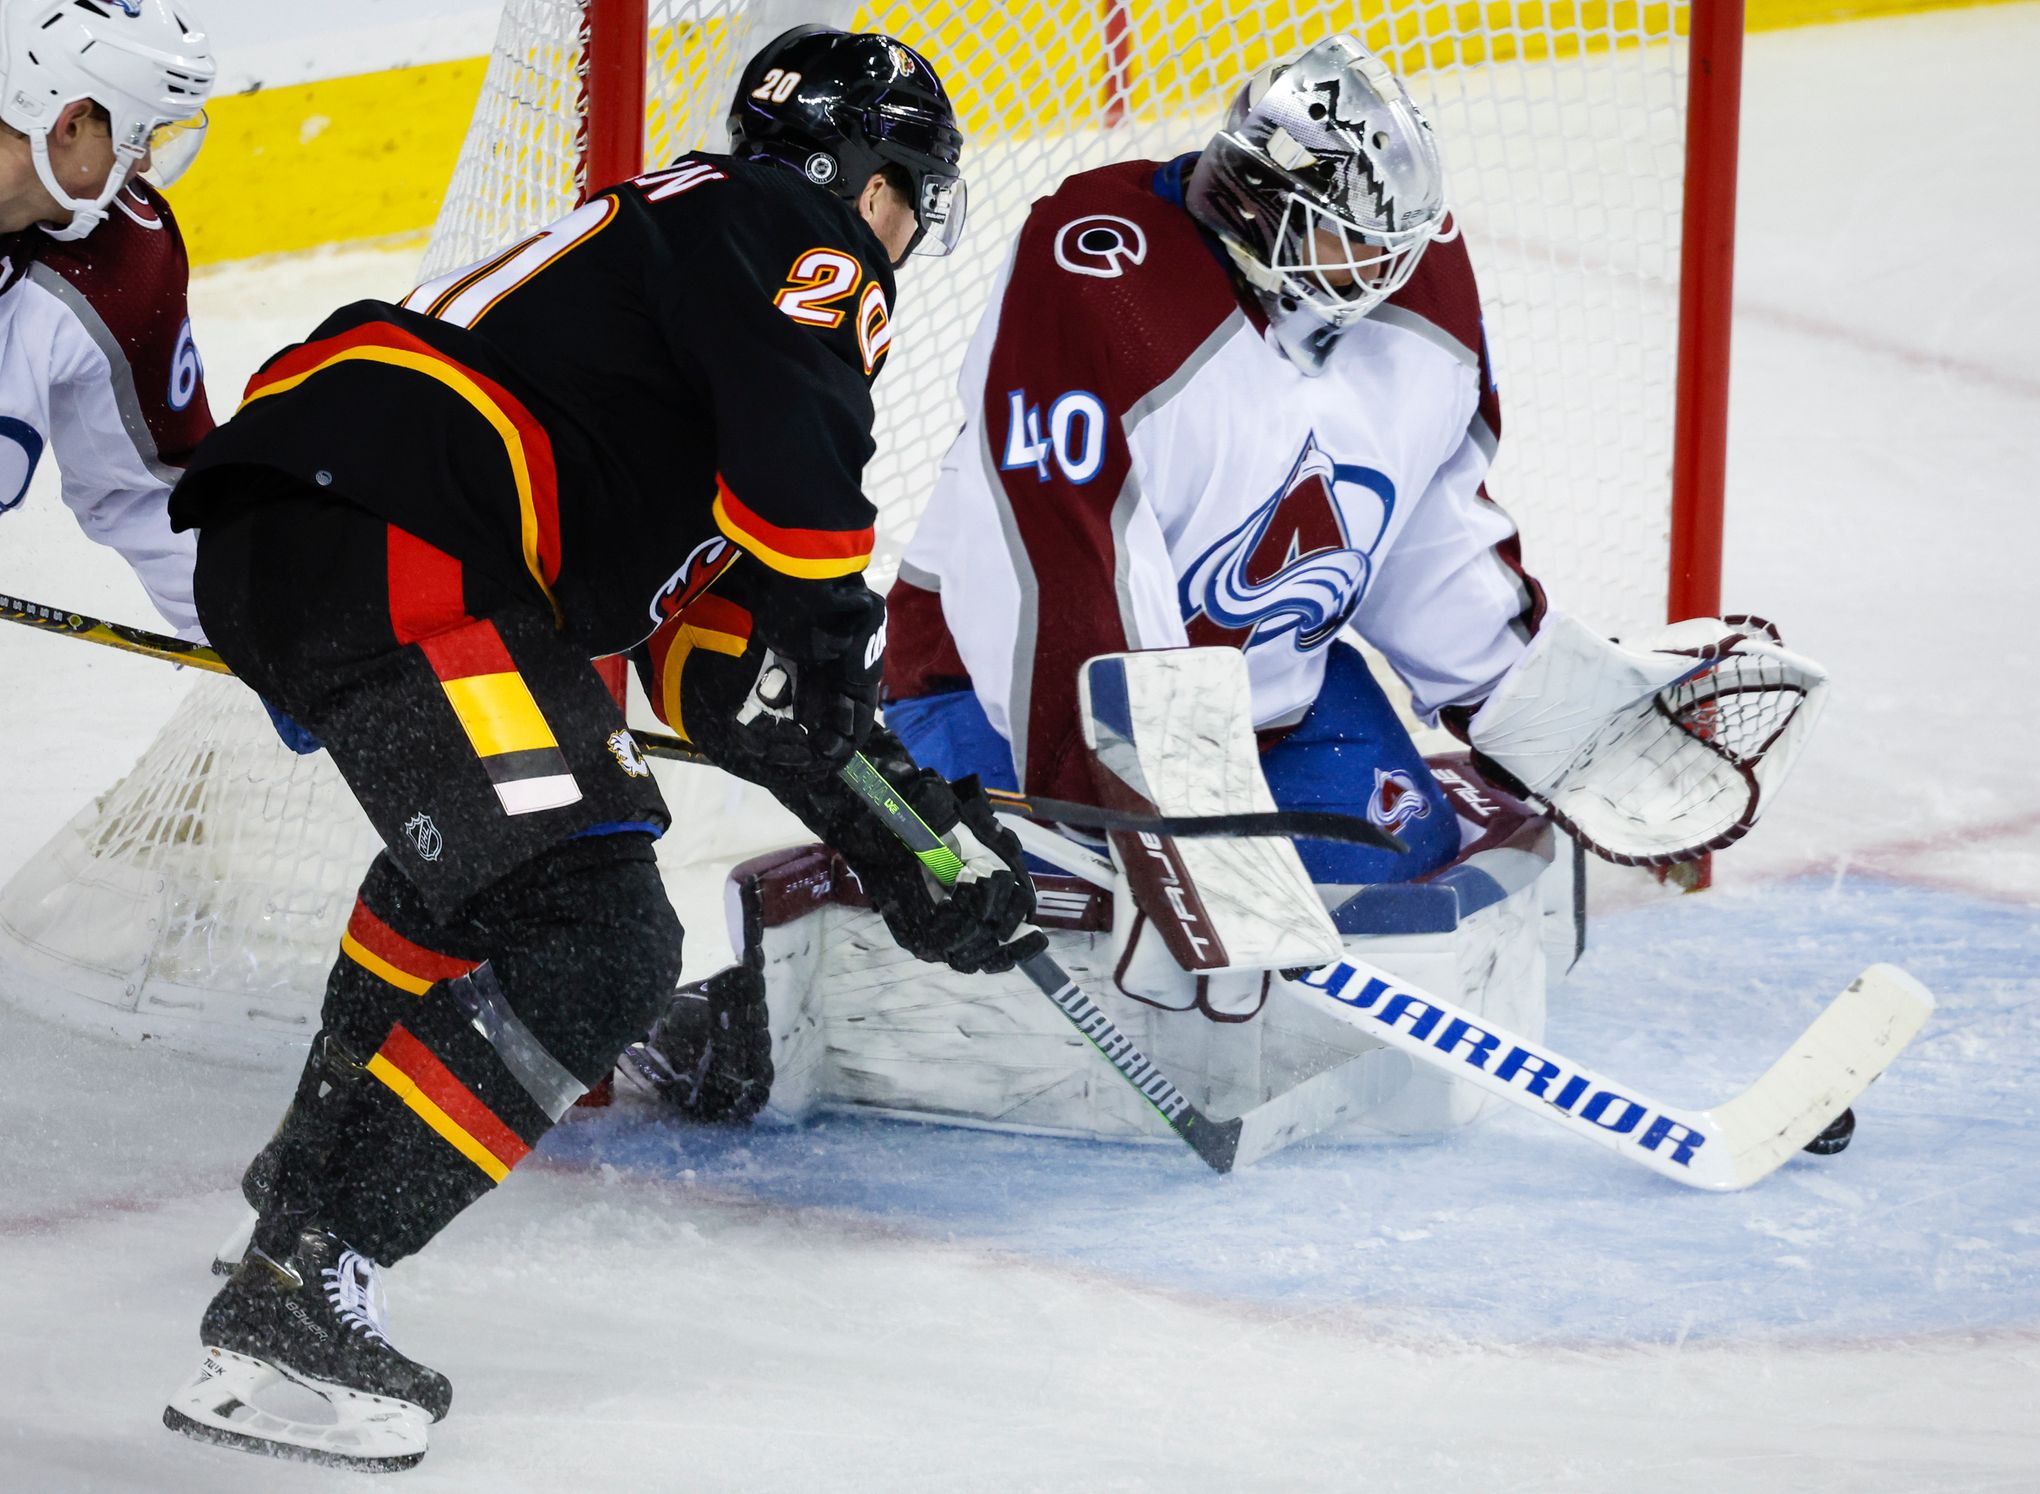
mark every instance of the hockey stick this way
{"type": "Point", "coordinates": [1308, 824]}
{"type": "Point", "coordinates": [1216, 1141]}
{"type": "Point", "coordinates": [112, 635]}
{"type": "Point", "coordinates": [1724, 1147]}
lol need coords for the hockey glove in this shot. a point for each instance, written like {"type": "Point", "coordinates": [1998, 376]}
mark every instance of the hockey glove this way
{"type": "Point", "coordinates": [975, 926]}
{"type": "Point", "coordinates": [815, 695]}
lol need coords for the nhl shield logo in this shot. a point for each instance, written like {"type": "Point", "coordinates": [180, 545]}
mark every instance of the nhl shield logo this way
{"type": "Point", "coordinates": [629, 756]}
{"type": "Point", "coordinates": [424, 835]}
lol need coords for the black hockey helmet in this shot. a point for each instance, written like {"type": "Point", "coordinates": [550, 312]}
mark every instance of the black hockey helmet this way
{"type": "Point", "coordinates": [839, 105]}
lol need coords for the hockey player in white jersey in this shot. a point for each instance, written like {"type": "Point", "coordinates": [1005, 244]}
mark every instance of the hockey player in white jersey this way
{"type": "Point", "coordinates": [1237, 398]}
{"type": "Point", "coordinates": [1222, 410]}
{"type": "Point", "coordinates": [97, 364]}
{"type": "Point", "coordinates": [1243, 398]}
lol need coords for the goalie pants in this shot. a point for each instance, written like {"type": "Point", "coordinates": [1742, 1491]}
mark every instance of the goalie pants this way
{"type": "Point", "coordinates": [514, 935]}
{"type": "Point", "coordinates": [1350, 754]}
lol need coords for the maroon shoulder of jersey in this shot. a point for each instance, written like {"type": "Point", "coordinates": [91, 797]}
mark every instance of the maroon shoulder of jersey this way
{"type": "Point", "coordinates": [1110, 281]}
{"type": "Point", "coordinates": [1445, 294]}
{"type": "Point", "coordinates": [133, 271]}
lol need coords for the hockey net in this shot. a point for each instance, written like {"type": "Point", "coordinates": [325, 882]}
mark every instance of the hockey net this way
{"type": "Point", "coordinates": [213, 881]}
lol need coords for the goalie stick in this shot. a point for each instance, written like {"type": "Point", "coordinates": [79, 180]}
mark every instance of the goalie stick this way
{"type": "Point", "coordinates": [1800, 1104]}
{"type": "Point", "coordinates": [1801, 1099]}
{"type": "Point", "coordinates": [1308, 824]}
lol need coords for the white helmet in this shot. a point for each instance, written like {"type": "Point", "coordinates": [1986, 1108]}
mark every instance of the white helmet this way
{"type": "Point", "coordinates": [1325, 186]}
{"type": "Point", "coordinates": [143, 61]}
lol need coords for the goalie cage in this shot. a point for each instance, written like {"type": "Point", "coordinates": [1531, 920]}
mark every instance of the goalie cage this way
{"type": "Point", "coordinates": [204, 893]}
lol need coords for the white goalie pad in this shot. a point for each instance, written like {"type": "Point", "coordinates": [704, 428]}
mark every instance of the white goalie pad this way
{"type": "Point", "coordinates": [859, 1025]}
{"type": "Point", "coordinates": [1172, 731]}
{"type": "Point", "coordinates": [1654, 755]}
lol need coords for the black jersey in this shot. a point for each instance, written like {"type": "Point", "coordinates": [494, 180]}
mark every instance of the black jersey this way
{"type": "Point", "coordinates": [682, 364]}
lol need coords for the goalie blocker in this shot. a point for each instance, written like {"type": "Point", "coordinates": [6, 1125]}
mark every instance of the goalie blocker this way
{"type": "Point", "coordinates": [824, 1012]}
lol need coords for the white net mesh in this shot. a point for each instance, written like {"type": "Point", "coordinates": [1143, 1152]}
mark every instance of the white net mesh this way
{"type": "Point", "coordinates": [214, 880]}
{"type": "Point", "coordinates": [202, 896]}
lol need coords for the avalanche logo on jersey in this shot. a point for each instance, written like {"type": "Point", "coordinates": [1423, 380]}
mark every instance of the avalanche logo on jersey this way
{"type": "Point", "coordinates": [1397, 800]}
{"type": "Point", "coordinates": [1298, 565]}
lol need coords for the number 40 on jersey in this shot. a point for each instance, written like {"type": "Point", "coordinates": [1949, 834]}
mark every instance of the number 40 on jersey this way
{"type": "Point", "coordinates": [1074, 438]}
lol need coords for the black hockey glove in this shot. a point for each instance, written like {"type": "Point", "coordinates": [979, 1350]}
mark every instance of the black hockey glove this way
{"type": "Point", "coordinates": [814, 697]}
{"type": "Point", "coordinates": [971, 927]}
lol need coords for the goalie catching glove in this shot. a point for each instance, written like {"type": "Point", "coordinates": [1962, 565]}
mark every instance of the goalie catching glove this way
{"type": "Point", "coordinates": [1656, 755]}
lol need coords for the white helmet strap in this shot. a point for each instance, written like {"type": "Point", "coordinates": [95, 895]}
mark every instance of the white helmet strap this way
{"type": "Point", "coordinates": [86, 213]}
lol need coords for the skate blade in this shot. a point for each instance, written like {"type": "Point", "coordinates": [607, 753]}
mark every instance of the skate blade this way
{"type": "Point", "coordinates": [222, 1405]}
{"type": "Point", "coordinates": [234, 1249]}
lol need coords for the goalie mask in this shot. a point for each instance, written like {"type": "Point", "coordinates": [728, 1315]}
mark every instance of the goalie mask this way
{"type": "Point", "coordinates": [145, 62]}
{"type": "Point", "coordinates": [838, 105]}
{"type": "Point", "coordinates": [1325, 187]}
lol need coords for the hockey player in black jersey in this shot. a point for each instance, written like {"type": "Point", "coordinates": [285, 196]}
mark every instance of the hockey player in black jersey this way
{"type": "Point", "coordinates": [419, 528]}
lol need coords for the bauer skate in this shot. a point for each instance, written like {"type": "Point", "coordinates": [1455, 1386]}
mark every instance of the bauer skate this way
{"type": "Point", "coordinates": [299, 1365]}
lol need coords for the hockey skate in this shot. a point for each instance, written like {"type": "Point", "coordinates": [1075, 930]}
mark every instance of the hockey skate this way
{"type": "Point", "coordinates": [299, 1365]}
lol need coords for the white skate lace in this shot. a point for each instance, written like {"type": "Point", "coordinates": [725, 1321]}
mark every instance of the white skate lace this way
{"type": "Point", "coordinates": [354, 1288]}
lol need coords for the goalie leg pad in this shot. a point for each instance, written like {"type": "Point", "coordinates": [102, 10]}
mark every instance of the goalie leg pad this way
{"type": "Point", "coordinates": [857, 1024]}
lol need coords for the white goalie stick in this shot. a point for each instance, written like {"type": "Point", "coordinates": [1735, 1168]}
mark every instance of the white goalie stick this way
{"type": "Point", "coordinates": [1723, 1147]}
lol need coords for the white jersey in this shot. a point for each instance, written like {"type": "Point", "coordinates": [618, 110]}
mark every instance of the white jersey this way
{"type": "Point", "coordinates": [1142, 468]}
{"type": "Point", "coordinates": [98, 370]}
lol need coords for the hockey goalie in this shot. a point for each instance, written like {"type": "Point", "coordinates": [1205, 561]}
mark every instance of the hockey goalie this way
{"type": "Point", "coordinates": [1223, 413]}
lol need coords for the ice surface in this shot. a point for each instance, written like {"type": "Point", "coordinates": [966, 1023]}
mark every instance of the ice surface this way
{"type": "Point", "coordinates": [866, 1306]}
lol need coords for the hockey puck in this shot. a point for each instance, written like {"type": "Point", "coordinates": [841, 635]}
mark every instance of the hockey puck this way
{"type": "Point", "coordinates": [1835, 1137]}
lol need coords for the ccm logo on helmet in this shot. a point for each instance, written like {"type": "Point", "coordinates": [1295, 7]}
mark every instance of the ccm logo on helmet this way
{"type": "Point", "coordinates": [1100, 245]}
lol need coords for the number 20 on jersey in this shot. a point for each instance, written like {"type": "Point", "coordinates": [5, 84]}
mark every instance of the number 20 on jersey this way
{"type": "Point", "coordinates": [818, 281]}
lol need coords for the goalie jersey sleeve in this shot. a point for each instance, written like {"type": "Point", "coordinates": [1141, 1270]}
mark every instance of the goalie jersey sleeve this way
{"type": "Point", "coordinates": [1141, 468]}
{"type": "Point", "coordinates": [100, 372]}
